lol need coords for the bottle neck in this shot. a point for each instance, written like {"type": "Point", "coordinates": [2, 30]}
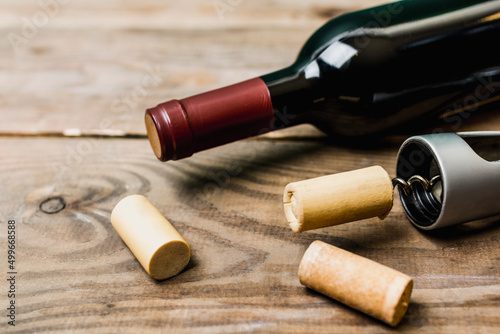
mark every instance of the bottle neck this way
{"type": "Point", "coordinates": [291, 94]}
{"type": "Point", "coordinates": [179, 128]}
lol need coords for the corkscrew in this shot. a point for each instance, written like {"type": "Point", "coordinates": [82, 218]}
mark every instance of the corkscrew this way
{"type": "Point", "coordinates": [464, 174]}
{"type": "Point", "coordinates": [407, 186]}
{"type": "Point", "coordinates": [443, 179]}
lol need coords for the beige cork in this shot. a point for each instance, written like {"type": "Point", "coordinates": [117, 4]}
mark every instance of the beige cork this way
{"type": "Point", "coordinates": [160, 249]}
{"type": "Point", "coordinates": [358, 282]}
{"type": "Point", "coordinates": [338, 198]}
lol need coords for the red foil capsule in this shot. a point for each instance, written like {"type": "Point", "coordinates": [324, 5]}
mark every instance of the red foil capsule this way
{"type": "Point", "coordinates": [179, 128]}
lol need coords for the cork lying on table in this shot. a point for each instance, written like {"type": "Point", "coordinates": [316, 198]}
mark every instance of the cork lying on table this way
{"type": "Point", "coordinates": [338, 198]}
{"type": "Point", "coordinates": [358, 282]}
{"type": "Point", "coordinates": [160, 249]}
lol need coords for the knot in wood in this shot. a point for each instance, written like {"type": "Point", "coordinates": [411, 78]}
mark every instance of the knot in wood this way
{"type": "Point", "coordinates": [53, 205]}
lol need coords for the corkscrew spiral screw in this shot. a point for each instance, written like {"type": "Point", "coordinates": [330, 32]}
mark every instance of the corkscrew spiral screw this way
{"type": "Point", "coordinates": [407, 186]}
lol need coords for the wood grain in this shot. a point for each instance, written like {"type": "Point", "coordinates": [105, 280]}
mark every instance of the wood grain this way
{"type": "Point", "coordinates": [89, 73]}
{"type": "Point", "coordinates": [77, 275]}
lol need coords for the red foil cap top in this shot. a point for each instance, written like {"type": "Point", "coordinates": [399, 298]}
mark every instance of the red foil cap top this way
{"type": "Point", "coordinates": [179, 128]}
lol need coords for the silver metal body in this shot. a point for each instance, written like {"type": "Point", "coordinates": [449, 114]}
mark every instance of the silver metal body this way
{"type": "Point", "coordinates": [468, 168]}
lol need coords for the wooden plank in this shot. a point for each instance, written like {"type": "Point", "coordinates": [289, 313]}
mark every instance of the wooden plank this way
{"type": "Point", "coordinates": [118, 14]}
{"type": "Point", "coordinates": [84, 68]}
{"type": "Point", "coordinates": [97, 90]}
{"type": "Point", "coordinates": [75, 274]}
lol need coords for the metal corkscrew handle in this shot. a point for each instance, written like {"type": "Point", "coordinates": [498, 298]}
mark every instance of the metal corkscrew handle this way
{"type": "Point", "coordinates": [449, 178]}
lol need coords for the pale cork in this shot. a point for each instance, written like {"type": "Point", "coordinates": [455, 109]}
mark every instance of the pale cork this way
{"type": "Point", "coordinates": [358, 282]}
{"type": "Point", "coordinates": [157, 245]}
{"type": "Point", "coordinates": [338, 198]}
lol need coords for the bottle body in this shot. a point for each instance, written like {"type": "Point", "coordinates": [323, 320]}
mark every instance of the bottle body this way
{"type": "Point", "coordinates": [360, 74]}
{"type": "Point", "coordinates": [372, 78]}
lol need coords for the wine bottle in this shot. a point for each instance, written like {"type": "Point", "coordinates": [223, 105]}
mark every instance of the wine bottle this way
{"type": "Point", "coordinates": [362, 73]}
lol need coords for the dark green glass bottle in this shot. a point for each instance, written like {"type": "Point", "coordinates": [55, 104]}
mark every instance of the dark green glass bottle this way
{"type": "Point", "coordinates": [362, 73]}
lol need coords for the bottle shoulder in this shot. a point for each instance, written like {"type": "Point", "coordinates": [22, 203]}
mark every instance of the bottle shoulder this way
{"type": "Point", "coordinates": [408, 23]}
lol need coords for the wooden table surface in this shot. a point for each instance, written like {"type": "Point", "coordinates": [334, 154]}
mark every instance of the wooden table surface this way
{"type": "Point", "coordinates": [76, 77]}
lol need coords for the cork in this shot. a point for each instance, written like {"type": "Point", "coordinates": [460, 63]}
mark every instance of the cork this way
{"type": "Point", "coordinates": [338, 198]}
{"type": "Point", "coordinates": [358, 282]}
{"type": "Point", "coordinates": [160, 249]}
